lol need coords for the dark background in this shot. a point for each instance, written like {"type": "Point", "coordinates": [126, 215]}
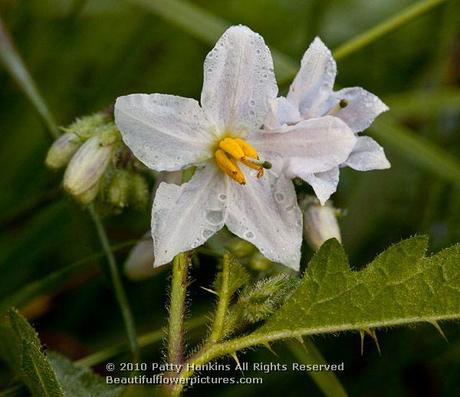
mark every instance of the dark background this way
{"type": "Point", "coordinates": [83, 54]}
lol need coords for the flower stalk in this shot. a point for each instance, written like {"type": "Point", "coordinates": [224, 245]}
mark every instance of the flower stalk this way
{"type": "Point", "coordinates": [222, 305]}
{"type": "Point", "coordinates": [177, 309]}
{"type": "Point", "coordinates": [120, 293]}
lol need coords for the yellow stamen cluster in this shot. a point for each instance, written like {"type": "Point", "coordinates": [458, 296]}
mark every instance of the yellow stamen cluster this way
{"type": "Point", "coordinates": [232, 150]}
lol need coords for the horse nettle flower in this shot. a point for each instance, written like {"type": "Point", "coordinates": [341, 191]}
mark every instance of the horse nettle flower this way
{"type": "Point", "coordinates": [320, 222]}
{"type": "Point", "coordinates": [62, 150]}
{"type": "Point", "coordinates": [311, 95]}
{"type": "Point", "coordinates": [234, 183]}
{"type": "Point", "coordinates": [139, 265]}
{"type": "Point", "coordinates": [88, 165]}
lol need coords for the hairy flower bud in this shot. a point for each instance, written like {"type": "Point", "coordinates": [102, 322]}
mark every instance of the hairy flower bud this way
{"type": "Point", "coordinates": [139, 264]}
{"type": "Point", "coordinates": [62, 150]}
{"type": "Point", "coordinates": [139, 191]}
{"type": "Point", "coordinates": [87, 166]}
{"type": "Point", "coordinates": [320, 222]}
{"type": "Point", "coordinates": [119, 189]}
{"type": "Point", "coordinates": [87, 126]}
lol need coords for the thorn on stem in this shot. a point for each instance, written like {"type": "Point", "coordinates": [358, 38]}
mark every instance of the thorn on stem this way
{"type": "Point", "coordinates": [438, 328]}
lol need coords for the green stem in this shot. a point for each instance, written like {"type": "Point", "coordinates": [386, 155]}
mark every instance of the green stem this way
{"type": "Point", "coordinates": [177, 309]}
{"type": "Point", "coordinates": [309, 354]}
{"type": "Point", "coordinates": [120, 293]}
{"type": "Point", "coordinates": [385, 27]}
{"type": "Point", "coordinates": [15, 67]}
{"type": "Point", "coordinates": [222, 305]}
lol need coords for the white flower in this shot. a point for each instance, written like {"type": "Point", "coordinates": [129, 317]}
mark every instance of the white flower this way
{"type": "Point", "coordinates": [222, 137]}
{"type": "Point", "coordinates": [310, 96]}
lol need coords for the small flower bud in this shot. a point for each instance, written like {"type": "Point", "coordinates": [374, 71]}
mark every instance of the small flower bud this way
{"type": "Point", "coordinates": [259, 263]}
{"type": "Point", "coordinates": [88, 195]}
{"type": "Point", "coordinates": [85, 127]}
{"type": "Point", "coordinates": [118, 190]}
{"type": "Point", "coordinates": [62, 150]}
{"type": "Point", "coordinates": [139, 264]}
{"type": "Point", "coordinates": [240, 248]}
{"type": "Point", "coordinates": [87, 166]}
{"type": "Point", "coordinates": [139, 191]}
{"type": "Point", "coordinates": [320, 222]}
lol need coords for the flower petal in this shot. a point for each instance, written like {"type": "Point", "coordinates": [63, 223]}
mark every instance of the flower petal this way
{"type": "Point", "coordinates": [315, 79]}
{"type": "Point", "coordinates": [363, 107]}
{"type": "Point", "coordinates": [265, 213]}
{"type": "Point", "coordinates": [367, 155]}
{"type": "Point", "coordinates": [165, 132]}
{"type": "Point", "coordinates": [282, 112]}
{"type": "Point", "coordinates": [313, 145]}
{"type": "Point", "coordinates": [184, 217]}
{"type": "Point", "coordinates": [239, 82]}
{"type": "Point", "coordinates": [323, 183]}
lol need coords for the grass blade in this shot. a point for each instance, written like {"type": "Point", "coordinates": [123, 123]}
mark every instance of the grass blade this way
{"type": "Point", "coordinates": [15, 67]}
{"type": "Point", "coordinates": [416, 149]}
{"type": "Point", "coordinates": [385, 27]}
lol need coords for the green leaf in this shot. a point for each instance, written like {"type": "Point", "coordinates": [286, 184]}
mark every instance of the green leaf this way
{"type": "Point", "coordinates": [401, 286]}
{"type": "Point", "coordinates": [21, 348]}
{"type": "Point", "coordinates": [80, 381]}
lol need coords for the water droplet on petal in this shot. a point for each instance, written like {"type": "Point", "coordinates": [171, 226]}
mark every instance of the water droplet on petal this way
{"type": "Point", "coordinates": [206, 233]}
{"type": "Point", "coordinates": [215, 217]}
{"type": "Point", "coordinates": [249, 235]}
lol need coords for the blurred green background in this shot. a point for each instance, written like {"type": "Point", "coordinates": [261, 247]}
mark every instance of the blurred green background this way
{"type": "Point", "coordinates": [83, 54]}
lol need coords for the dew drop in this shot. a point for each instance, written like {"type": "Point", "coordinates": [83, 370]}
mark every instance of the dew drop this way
{"type": "Point", "coordinates": [206, 233]}
{"type": "Point", "coordinates": [249, 235]}
{"type": "Point", "coordinates": [222, 197]}
{"type": "Point", "coordinates": [214, 217]}
{"type": "Point", "coordinates": [279, 197]}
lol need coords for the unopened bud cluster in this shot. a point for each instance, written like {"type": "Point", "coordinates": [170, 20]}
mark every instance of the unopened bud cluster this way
{"type": "Point", "coordinates": [97, 164]}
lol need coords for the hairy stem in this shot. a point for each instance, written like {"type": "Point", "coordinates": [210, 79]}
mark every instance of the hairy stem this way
{"type": "Point", "coordinates": [120, 293]}
{"type": "Point", "coordinates": [222, 305]}
{"type": "Point", "coordinates": [177, 309]}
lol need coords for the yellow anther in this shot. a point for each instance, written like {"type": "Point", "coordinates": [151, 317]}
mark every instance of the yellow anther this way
{"type": "Point", "coordinates": [254, 166]}
{"type": "Point", "coordinates": [231, 146]}
{"type": "Point", "coordinates": [247, 148]}
{"type": "Point", "coordinates": [229, 166]}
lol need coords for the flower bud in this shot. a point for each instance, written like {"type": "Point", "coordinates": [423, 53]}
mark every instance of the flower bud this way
{"type": "Point", "coordinates": [139, 191]}
{"type": "Point", "coordinates": [87, 166]}
{"type": "Point", "coordinates": [88, 195]}
{"type": "Point", "coordinates": [259, 263]}
{"type": "Point", "coordinates": [320, 222]}
{"type": "Point", "coordinates": [62, 150]}
{"type": "Point", "coordinates": [241, 248]}
{"type": "Point", "coordinates": [139, 264]}
{"type": "Point", "coordinates": [118, 190]}
{"type": "Point", "coordinates": [85, 127]}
